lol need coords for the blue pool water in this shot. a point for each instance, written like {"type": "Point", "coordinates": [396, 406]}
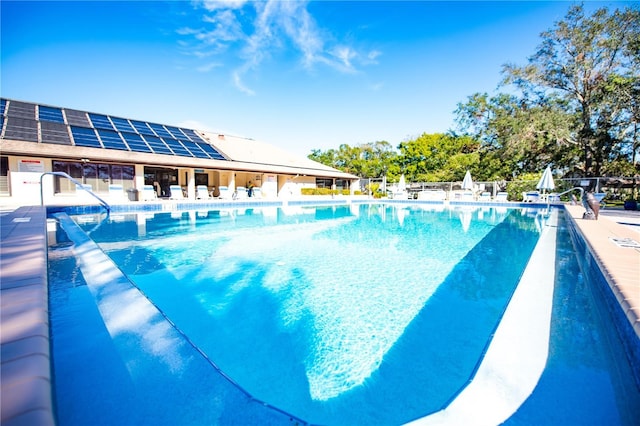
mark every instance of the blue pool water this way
{"type": "Point", "coordinates": [364, 314]}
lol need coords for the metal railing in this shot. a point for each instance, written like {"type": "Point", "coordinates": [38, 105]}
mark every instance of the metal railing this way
{"type": "Point", "coordinates": [78, 185]}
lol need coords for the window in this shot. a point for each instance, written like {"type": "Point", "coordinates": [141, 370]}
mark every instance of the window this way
{"type": "Point", "coordinates": [4, 175]}
{"type": "Point", "coordinates": [98, 175]}
{"type": "Point", "coordinates": [324, 183]}
{"type": "Point", "coordinates": [202, 179]}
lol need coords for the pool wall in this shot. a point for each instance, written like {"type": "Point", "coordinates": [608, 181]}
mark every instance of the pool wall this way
{"type": "Point", "coordinates": [619, 290]}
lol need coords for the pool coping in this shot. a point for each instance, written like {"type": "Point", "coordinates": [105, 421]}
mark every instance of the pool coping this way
{"type": "Point", "coordinates": [24, 325]}
{"type": "Point", "coordinates": [24, 319]}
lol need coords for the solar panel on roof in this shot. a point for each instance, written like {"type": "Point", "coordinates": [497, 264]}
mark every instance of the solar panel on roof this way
{"type": "Point", "coordinates": [195, 149]}
{"type": "Point", "coordinates": [211, 151]}
{"type": "Point", "coordinates": [177, 147]}
{"type": "Point", "coordinates": [160, 130]}
{"type": "Point", "coordinates": [77, 118]}
{"type": "Point", "coordinates": [100, 121]}
{"type": "Point", "coordinates": [186, 134]}
{"type": "Point", "coordinates": [54, 133]}
{"type": "Point", "coordinates": [122, 125]}
{"type": "Point", "coordinates": [22, 110]}
{"type": "Point", "coordinates": [135, 142]}
{"type": "Point", "coordinates": [21, 129]}
{"type": "Point", "coordinates": [192, 135]}
{"type": "Point", "coordinates": [157, 145]}
{"type": "Point", "coordinates": [31, 122]}
{"type": "Point", "coordinates": [46, 113]}
{"type": "Point", "coordinates": [175, 132]}
{"type": "Point", "coordinates": [85, 137]}
{"type": "Point", "coordinates": [142, 128]}
{"type": "Point", "coordinates": [111, 139]}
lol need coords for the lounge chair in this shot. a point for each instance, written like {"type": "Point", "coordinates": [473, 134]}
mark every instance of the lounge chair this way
{"type": "Point", "coordinates": [241, 193]}
{"type": "Point", "coordinates": [175, 192]}
{"type": "Point", "coordinates": [149, 193]}
{"type": "Point", "coordinates": [467, 196]}
{"type": "Point", "coordinates": [116, 192]}
{"type": "Point", "coordinates": [225, 194]}
{"type": "Point", "coordinates": [202, 192]}
{"type": "Point", "coordinates": [256, 192]}
{"type": "Point", "coordinates": [553, 198]}
{"type": "Point", "coordinates": [502, 196]}
{"type": "Point", "coordinates": [531, 197]}
{"type": "Point", "coordinates": [432, 195]}
{"type": "Point", "coordinates": [485, 196]}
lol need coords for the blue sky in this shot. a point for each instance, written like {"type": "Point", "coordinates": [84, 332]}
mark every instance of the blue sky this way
{"type": "Point", "coordinates": [298, 75]}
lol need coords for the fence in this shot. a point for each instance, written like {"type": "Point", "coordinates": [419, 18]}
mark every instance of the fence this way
{"type": "Point", "coordinates": [615, 188]}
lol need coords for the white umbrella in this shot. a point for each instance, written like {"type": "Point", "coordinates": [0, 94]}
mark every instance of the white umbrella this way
{"type": "Point", "coordinates": [402, 185]}
{"type": "Point", "coordinates": [546, 181]}
{"type": "Point", "coordinates": [467, 182]}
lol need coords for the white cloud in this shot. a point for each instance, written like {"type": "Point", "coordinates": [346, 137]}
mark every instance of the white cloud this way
{"type": "Point", "coordinates": [256, 30]}
{"type": "Point", "coordinates": [237, 80]}
{"type": "Point", "coordinates": [208, 67]}
{"type": "Point", "coordinates": [373, 56]}
{"type": "Point", "coordinates": [222, 4]}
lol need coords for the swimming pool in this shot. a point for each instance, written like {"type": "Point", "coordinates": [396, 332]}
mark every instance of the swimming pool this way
{"type": "Point", "coordinates": [352, 314]}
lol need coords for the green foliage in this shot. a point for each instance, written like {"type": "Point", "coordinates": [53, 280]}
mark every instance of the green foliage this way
{"type": "Point", "coordinates": [327, 191]}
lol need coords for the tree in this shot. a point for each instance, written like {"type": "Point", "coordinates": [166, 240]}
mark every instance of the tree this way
{"type": "Point", "coordinates": [371, 160]}
{"type": "Point", "coordinates": [576, 61]}
{"type": "Point", "coordinates": [438, 157]}
{"type": "Point", "coordinates": [518, 135]}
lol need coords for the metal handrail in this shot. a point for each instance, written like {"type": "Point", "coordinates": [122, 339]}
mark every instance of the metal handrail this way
{"type": "Point", "coordinates": [78, 185]}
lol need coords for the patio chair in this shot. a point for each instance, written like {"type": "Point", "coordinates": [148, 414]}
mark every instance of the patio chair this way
{"type": "Point", "coordinates": [531, 197]}
{"type": "Point", "coordinates": [116, 192]}
{"type": "Point", "coordinates": [241, 193]}
{"type": "Point", "coordinates": [175, 192]}
{"type": "Point", "coordinates": [225, 194]}
{"type": "Point", "coordinates": [502, 196]}
{"type": "Point", "coordinates": [149, 193]}
{"type": "Point", "coordinates": [256, 192]}
{"type": "Point", "coordinates": [467, 196]}
{"type": "Point", "coordinates": [202, 192]}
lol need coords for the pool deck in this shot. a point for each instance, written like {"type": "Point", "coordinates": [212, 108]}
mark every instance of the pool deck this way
{"type": "Point", "coordinates": [25, 376]}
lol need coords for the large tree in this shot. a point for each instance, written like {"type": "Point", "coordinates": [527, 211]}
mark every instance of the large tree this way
{"type": "Point", "coordinates": [576, 61]}
{"type": "Point", "coordinates": [518, 135]}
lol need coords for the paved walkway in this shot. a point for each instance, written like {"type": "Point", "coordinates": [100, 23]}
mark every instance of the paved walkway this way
{"type": "Point", "coordinates": [24, 319]}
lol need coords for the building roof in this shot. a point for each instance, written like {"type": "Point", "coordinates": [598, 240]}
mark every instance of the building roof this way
{"type": "Point", "coordinates": [46, 129]}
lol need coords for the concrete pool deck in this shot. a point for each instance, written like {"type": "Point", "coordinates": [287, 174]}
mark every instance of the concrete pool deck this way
{"type": "Point", "coordinates": [24, 325]}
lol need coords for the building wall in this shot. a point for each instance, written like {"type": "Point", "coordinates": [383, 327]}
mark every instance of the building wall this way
{"type": "Point", "coordinates": [25, 173]}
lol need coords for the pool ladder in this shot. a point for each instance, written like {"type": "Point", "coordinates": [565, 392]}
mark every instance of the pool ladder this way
{"type": "Point", "coordinates": [78, 185]}
{"type": "Point", "coordinates": [590, 204]}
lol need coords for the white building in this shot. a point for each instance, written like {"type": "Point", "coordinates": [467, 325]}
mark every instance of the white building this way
{"type": "Point", "coordinates": [108, 154]}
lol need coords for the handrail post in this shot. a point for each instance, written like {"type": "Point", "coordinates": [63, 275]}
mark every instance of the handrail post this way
{"type": "Point", "coordinates": [78, 184]}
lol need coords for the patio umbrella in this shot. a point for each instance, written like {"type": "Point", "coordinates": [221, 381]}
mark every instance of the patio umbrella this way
{"type": "Point", "coordinates": [467, 182]}
{"type": "Point", "coordinates": [402, 185]}
{"type": "Point", "coordinates": [546, 181]}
